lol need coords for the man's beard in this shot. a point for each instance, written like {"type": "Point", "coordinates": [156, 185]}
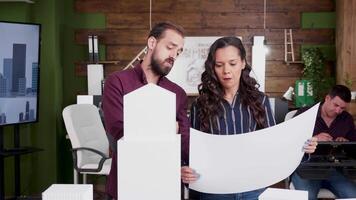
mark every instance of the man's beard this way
{"type": "Point", "coordinates": [159, 69]}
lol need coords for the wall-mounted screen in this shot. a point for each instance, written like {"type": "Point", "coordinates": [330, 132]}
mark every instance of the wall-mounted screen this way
{"type": "Point", "coordinates": [19, 72]}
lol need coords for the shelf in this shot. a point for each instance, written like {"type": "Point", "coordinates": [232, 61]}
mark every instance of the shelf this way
{"type": "Point", "coordinates": [345, 163]}
{"type": "Point", "coordinates": [318, 172]}
{"type": "Point", "coordinates": [335, 143]}
{"type": "Point", "coordinates": [25, 1]}
{"type": "Point", "coordinates": [114, 62]}
{"type": "Point", "coordinates": [18, 151]}
{"type": "Point", "coordinates": [294, 62]}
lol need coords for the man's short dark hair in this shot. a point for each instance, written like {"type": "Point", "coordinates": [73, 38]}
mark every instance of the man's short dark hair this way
{"type": "Point", "coordinates": [158, 30]}
{"type": "Point", "coordinates": [341, 91]}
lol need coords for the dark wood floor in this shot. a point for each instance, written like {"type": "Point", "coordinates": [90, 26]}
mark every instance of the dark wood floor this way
{"type": "Point", "coordinates": [99, 193]}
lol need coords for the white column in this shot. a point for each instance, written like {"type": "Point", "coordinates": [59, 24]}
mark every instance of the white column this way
{"type": "Point", "coordinates": [95, 76]}
{"type": "Point", "coordinates": [259, 61]}
{"type": "Point", "coordinates": [149, 153]}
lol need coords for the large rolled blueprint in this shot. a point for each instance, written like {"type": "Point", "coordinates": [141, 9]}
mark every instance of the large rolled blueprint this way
{"type": "Point", "coordinates": [245, 162]}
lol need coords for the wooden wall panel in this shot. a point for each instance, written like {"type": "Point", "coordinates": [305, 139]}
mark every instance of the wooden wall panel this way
{"type": "Point", "coordinates": [285, 5]}
{"type": "Point", "coordinates": [81, 69]}
{"type": "Point", "coordinates": [277, 84]}
{"type": "Point", "coordinates": [352, 109]}
{"type": "Point", "coordinates": [127, 6]}
{"type": "Point", "coordinates": [275, 94]}
{"type": "Point", "coordinates": [346, 45]}
{"type": "Point", "coordinates": [127, 26]}
{"type": "Point", "coordinates": [273, 36]}
{"type": "Point", "coordinates": [280, 69]}
{"type": "Point", "coordinates": [300, 36]}
{"type": "Point", "coordinates": [126, 53]}
{"type": "Point", "coordinates": [346, 41]}
{"type": "Point", "coordinates": [205, 20]}
{"type": "Point", "coordinates": [141, 20]}
{"type": "Point", "coordinates": [113, 36]}
{"type": "Point", "coordinates": [252, 20]}
{"type": "Point", "coordinates": [276, 52]}
{"type": "Point", "coordinates": [123, 52]}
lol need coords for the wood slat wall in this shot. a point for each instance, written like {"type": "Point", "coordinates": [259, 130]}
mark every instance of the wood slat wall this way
{"type": "Point", "coordinates": [129, 6]}
{"type": "Point", "coordinates": [346, 41]}
{"type": "Point", "coordinates": [273, 36]}
{"type": "Point", "coordinates": [346, 45]}
{"type": "Point", "coordinates": [127, 26]}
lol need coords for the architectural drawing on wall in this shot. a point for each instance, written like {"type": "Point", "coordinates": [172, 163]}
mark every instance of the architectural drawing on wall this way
{"type": "Point", "coordinates": [189, 65]}
{"type": "Point", "coordinates": [194, 71]}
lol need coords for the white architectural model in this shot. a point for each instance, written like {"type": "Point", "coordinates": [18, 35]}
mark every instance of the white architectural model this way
{"type": "Point", "coordinates": [283, 194]}
{"type": "Point", "coordinates": [68, 192]}
{"type": "Point", "coordinates": [149, 153]}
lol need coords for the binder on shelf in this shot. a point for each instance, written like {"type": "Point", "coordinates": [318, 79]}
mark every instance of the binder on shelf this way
{"type": "Point", "coordinates": [91, 50]}
{"type": "Point", "coordinates": [96, 48]}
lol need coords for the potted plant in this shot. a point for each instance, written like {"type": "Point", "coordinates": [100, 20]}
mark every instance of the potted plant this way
{"type": "Point", "coordinates": [315, 72]}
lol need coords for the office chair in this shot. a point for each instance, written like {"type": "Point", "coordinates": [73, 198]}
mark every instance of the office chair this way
{"type": "Point", "coordinates": [89, 141]}
{"type": "Point", "coordinates": [323, 193]}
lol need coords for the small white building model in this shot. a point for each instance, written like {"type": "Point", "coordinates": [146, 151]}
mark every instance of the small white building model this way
{"type": "Point", "coordinates": [149, 152]}
{"type": "Point", "coordinates": [68, 192]}
{"type": "Point", "coordinates": [283, 194]}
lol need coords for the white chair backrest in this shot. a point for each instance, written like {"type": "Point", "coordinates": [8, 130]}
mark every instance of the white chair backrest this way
{"type": "Point", "coordinates": [85, 129]}
{"type": "Point", "coordinates": [290, 115]}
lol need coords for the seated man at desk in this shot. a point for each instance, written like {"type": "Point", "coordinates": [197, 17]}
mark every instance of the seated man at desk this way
{"type": "Point", "coordinates": [333, 123]}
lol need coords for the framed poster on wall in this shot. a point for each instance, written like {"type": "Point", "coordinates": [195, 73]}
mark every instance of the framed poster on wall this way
{"type": "Point", "coordinates": [189, 65]}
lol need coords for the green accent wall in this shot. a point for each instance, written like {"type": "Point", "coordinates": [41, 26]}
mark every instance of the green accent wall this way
{"type": "Point", "coordinates": [7, 14]}
{"type": "Point", "coordinates": [58, 88]}
{"type": "Point", "coordinates": [75, 53]}
{"type": "Point", "coordinates": [72, 84]}
{"type": "Point", "coordinates": [38, 170]}
{"type": "Point", "coordinates": [316, 20]}
{"type": "Point", "coordinates": [15, 12]}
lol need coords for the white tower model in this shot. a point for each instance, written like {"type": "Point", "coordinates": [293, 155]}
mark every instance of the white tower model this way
{"type": "Point", "coordinates": [149, 153]}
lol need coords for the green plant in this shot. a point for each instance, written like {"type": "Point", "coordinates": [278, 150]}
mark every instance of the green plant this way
{"type": "Point", "coordinates": [315, 72]}
{"type": "Point", "coordinates": [347, 80]}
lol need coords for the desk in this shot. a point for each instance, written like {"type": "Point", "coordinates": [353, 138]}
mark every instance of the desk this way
{"type": "Point", "coordinates": [340, 155]}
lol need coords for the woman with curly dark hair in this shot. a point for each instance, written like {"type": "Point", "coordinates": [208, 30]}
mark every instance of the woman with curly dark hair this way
{"type": "Point", "coordinates": [229, 102]}
{"type": "Point", "coordinates": [226, 80]}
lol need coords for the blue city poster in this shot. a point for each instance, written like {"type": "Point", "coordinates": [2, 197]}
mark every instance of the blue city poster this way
{"type": "Point", "coordinates": [19, 72]}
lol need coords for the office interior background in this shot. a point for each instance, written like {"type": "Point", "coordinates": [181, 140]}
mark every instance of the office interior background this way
{"type": "Point", "coordinates": [122, 27]}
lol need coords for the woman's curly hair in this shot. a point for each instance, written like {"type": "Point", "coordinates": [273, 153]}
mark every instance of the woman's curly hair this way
{"type": "Point", "coordinates": [211, 92]}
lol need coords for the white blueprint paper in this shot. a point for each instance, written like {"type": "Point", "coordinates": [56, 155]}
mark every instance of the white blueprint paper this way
{"type": "Point", "coordinates": [245, 162]}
